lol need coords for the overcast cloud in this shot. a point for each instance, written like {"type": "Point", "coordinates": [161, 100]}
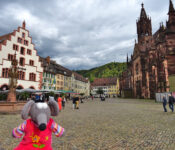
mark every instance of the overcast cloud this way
{"type": "Point", "coordinates": [81, 34]}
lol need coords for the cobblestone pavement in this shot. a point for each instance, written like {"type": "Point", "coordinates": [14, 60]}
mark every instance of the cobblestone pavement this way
{"type": "Point", "coordinates": [115, 124]}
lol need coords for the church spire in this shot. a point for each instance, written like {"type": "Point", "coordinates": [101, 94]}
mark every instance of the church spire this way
{"type": "Point", "coordinates": [171, 8]}
{"type": "Point", "coordinates": [171, 19]}
{"type": "Point", "coordinates": [143, 12]}
{"type": "Point", "coordinates": [144, 27]}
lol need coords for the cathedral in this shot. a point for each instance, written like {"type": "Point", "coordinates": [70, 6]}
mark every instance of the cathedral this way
{"type": "Point", "coordinates": [151, 68]}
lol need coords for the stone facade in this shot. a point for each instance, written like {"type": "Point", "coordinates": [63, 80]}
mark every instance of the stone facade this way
{"type": "Point", "coordinates": [153, 60]}
{"type": "Point", "coordinates": [29, 67]}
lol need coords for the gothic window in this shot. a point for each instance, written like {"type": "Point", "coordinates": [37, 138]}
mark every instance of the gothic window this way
{"type": "Point", "coordinates": [32, 77]}
{"type": "Point", "coordinates": [137, 69]}
{"type": "Point", "coordinates": [5, 72]}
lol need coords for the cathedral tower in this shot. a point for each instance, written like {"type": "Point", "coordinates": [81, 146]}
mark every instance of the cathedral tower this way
{"type": "Point", "coordinates": [144, 27]}
{"type": "Point", "coordinates": [171, 19]}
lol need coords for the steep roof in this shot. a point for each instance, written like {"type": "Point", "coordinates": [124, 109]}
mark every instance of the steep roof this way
{"type": "Point", "coordinates": [5, 37]}
{"type": "Point", "coordinates": [171, 8]}
{"type": "Point", "coordinates": [143, 12]}
{"type": "Point", "coordinates": [53, 67]}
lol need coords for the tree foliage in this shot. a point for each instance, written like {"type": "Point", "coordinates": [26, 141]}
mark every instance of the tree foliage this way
{"type": "Point", "coordinates": [113, 69]}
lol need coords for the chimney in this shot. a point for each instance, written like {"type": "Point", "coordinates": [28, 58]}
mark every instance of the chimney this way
{"type": "Point", "coordinates": [48, 59]}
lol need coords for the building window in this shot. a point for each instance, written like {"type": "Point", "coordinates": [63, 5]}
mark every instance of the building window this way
{"type": "Point", "coordinates": [15, 47]}
{"type": "Point", "coordinates": [25, 42]}
{"type": "Point", "coordinates": [137, 69]}
{"type": "Point", "coordinates": [5, 72]}
{"type": "Point", "coordinates": [29, 52]}
{"type": "Point", "coordinates": [31, 63]}
{"type": "Point", "coordinates": [22, 51]}
{"type": "Point", "coordinates": [21, 75]}
{"type": "Point", "coordinates": [32, 77]}
{"type": "Point", "coordinates": [22, 61]}
{"type": "Point", "coordinates": [23, 35]}
{"type": "Point", "coordinates": [19, 40]}
{"type": "Point", "coordinates": [10, 57]}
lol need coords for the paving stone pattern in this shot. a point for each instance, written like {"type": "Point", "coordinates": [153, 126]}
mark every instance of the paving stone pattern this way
{"type": "Point", "coordinates": [115, 124]}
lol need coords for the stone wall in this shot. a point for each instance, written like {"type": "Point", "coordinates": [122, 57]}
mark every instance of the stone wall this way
{"type": "Point", "coordinates": [8, 107]}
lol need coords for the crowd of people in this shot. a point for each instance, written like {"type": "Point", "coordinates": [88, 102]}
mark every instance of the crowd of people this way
{"type": "Point", "coordinates": [60, 98]}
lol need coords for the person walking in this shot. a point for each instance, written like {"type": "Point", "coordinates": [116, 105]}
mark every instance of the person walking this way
{"type": "Point", "coordinates": [59, 103]}
{"type": "Point", "coordinates": [63, 101]}
{"type": "Point", "coordinates": [74, 101]}
{"type": "Point", "coordinates": [77, 102]}
{"type": "Point", "coordinates": [164, 103]}
{"type": "Point", "coordinates": [171, 102]}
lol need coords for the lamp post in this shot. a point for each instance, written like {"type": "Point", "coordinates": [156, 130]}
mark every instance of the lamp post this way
{"type": "Point", "coordinates": [13, 79]}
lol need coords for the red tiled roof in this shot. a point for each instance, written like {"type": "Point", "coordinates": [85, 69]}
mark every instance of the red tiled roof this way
{"type": "Point", "coordinates": [5, 37]}
{"type": "Point", "coordinates": [104, 81]}
{"type": "Point", "coordinates": [80, 77]}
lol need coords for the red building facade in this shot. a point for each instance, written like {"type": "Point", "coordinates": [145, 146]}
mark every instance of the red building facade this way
{"type": "Point", "coordinates": [153, 59]}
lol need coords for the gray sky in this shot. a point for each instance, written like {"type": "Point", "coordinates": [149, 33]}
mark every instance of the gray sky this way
{"type": "Point", "coordinates": [81, 34]}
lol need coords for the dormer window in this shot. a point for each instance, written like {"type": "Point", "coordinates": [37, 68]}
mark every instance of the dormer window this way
{"type": "Point", "coordinates": [19, 40]}
{"type": "Point", "coordinates": [23, 35]}
{"type": "Point", "coordinates": [26, 42]}
{"type": "Point", "coordinates": [29, 52]}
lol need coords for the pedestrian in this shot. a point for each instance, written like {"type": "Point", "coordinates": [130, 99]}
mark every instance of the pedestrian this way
{"type": "Point", "coordinates": [77, 102]}
{"type": "Point", "coordinates": [81, 99]}
{"type": "Point", "coordinates": [59, 103]}
{"type": "Point", "coordinates": [37, 97]}
{"type": "Point", "coordinates": [63, 101]}
{"type": "Point", "coordinates": [164, 103]}
{"type": "Point", "coordinates": [171, 101]}
{"type": "Point", "coordinates": [74, 101]}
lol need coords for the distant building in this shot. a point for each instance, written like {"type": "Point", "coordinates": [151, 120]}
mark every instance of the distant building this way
{"type": "Point", "coordinates": [30, 70]}
{"type": "Point", "coordinates": [57, 77]}
{"type": "Point", "coordinates": [151, 68]}
{"type": "Point", "coordinates": [49, 74]}
{"type": "Point", "coordinates": [110, 86]}
{"type": "Point", "coordinates": [80, 84]}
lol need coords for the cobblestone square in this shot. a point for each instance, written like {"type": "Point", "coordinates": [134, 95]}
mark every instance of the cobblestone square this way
{"type": "Point", "coordinates": [115, 124]}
